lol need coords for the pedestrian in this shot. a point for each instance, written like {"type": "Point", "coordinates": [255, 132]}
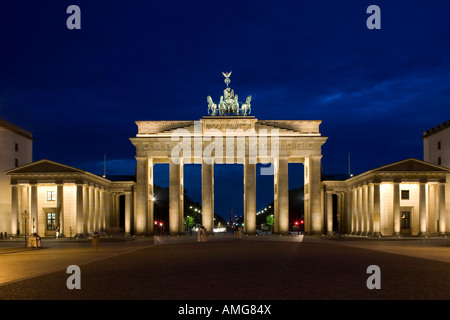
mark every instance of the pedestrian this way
{"type": "Point", "coordinates": [203, 234]}
{"type": "Point", "coordinates": [57, 232]}
{"type": "Point", "coordinates": [95, 241]}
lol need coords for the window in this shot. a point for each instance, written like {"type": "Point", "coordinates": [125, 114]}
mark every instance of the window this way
{"type": "Point", "coordinates": [439, 161]}
{"type": "Point", "coordinates": [16, 162]}
{"type": "Point", "coordinates": [51, 221]}
{"type": "Point", "coordinates": [405, 194]}
{"type": "Point", "coordinates": [51, 196]}
{"type": "Point", "coordinates": [17, 147]}
{"type": "Point", "coordinates": [405, 220]}
{"type": "Point", "coordinates": [439, 145]}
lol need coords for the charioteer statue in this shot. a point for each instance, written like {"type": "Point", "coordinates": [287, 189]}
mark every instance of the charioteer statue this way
{"type": "Point", "coordinates": [229, 103]}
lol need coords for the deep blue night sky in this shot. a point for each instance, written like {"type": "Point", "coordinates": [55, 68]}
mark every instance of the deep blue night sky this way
{"type": "Point", "coordinates": [80, 91]}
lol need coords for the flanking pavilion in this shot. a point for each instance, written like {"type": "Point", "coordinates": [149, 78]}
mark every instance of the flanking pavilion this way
{"type": "Point", "coordinates": [409, 197]}
{"type": "Point", "coordinates": [47, 195]}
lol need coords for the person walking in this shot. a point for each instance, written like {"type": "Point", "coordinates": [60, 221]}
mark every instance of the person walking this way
{"type": "Point", "coordinates": [203, 234]}
{"type": "Point", "coordinates": [199, 234]}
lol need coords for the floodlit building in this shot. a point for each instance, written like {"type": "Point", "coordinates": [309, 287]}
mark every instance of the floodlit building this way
{"type": "Point", "coordinates": [16, 149]}
{"type": "Point", "coordinates": [436, 145]}
{"type": "Point", "coordinates": [46, 195]}
{"type": "Point", "coordinates": [409, 197]}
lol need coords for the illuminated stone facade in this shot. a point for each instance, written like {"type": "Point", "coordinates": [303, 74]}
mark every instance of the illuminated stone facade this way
{"type": "Point", "coordinates": [410, 197]}
{"type": "Point", "coordinates": [228, 139]}
{"type": "Point", "coordinates": [16, 149]}
{"type": "Point", "coordinates": [46, 195]}
{"type": "Point", "coordinates": [436, 145]}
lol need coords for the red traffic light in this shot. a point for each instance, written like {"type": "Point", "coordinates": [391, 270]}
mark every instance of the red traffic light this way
{"type": "Point", "coordinates": [301, 221]}
{"type": "Point", "coordinates": [296, 223]}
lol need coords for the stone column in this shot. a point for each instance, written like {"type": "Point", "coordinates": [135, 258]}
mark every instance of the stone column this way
{"type": "Point", "coordinates": [275, 196]}
{"type": "Point", "coordinates": [281, 196]}
{"type": "Point", "coordinates": [432, 206]}
{"type": "Point", "coordinates": [141, 215]}
{"type": "Point", "coordinates": [128, 213]}
{"type": "Point", "coordinates": [86, 209]}
{"type": "Point", "coordinates": [175, 194]}
{"type": "Point", "coordinates": [376, 210]}
{"type": "Point", "coordinates": [151, 197]}
{"type": "Point", "coordinates": [208, 194]}
{"type": "Point", "coordinates": [340, 212]}
{"type": "Point", "coordinates": [117, 209]}
{"type": "Point", "coordinates": [422, 209]}
{"type": "Point", "coordinates": [33, 226]}
{"type": "Point", "coordinates": [91, 209]}
{"type": "Point", "coordinates": [250, 197]}
{"type": "Point", "coordinates": [365, 209]}
{"type": "Point", "coordinates": [97, 209]}
{"type": "Point", "coordinates": [14, 208]}
{"type": "Point", "coordinates": [24, 205]}
{"type": "Point", "coordinates": [181, 199]}
{"type": "Point", "coordinates": [370, 209]}
{"type": "Point", "coordinates": [107, 209]}
{"type": "Point", "coordinates": [313, 176]}
{"type": "Point", "coordinates": [101, 210]}
{"type": "Point", "coordinates": [329, 212]}
{"type": "Point", "coordinates": [80, 211]}
{"type": "Point", "coordinates": [348, 211]}
{"type": "Point", "coordinates": [355, 211]}
{"type": "Point", "coordinates": [60, 208]}
{"type": "Point", "coordinates": [396, 209]}
{"type": "Point", "coordinates": [359, 215]}
{"type": "Point", "coordinates": [442, 225]}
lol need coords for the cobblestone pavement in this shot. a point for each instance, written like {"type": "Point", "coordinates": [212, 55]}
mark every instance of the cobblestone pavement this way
{"type": "Point", "coordinates": [254, 268]}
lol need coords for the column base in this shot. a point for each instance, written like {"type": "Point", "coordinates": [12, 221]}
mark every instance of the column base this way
{"type": "Point", "coordinates": [396, 234]}
{"type": "Point", "coordinates": [177, 234]}
{"type": "Point", "coordinates": [377, 235]}
{"type": "Point", "coordinates": [146, 234]}
{"type": "Point", "coordinates": [442, 234]}
{"type": "Point", "coordinates": [423, 234]}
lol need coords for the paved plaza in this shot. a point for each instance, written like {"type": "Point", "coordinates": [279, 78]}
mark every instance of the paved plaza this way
{"type": "Point", "coordinates": [265, 267]}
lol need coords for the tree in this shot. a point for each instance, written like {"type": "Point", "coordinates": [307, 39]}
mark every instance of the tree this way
{"type": "Point", "coordinates": [270, 220]}
{"type": "Point", "coordinates": [190, 221]}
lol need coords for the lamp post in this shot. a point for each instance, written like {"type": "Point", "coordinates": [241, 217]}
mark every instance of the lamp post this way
{"type": "Point", "coordinates": [25, 216]}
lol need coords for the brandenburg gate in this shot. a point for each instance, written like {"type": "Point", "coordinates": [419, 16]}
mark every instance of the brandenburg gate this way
{"type": "Point", "coordinates": [228, 135]}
